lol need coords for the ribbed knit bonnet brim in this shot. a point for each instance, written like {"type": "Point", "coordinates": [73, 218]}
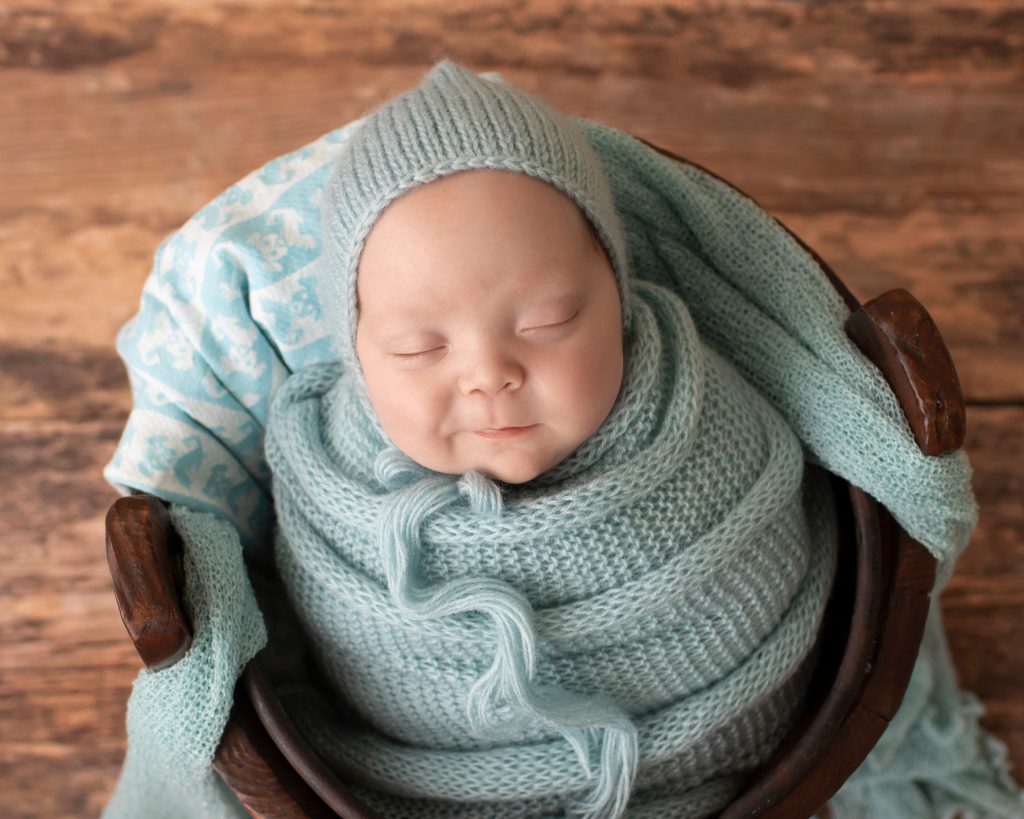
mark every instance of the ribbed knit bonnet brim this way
{"type": "Point", "coordinates": [453, 121]}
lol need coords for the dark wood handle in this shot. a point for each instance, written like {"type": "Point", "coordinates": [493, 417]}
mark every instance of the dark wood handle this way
{"type": "Point", "coordinates": [298, 775]}
{"type": "Point", "coordinates": [142, 552]}
{"type": "Point", "coordinates": [899, 337]}
{"type": "Point", "coordinates": [252, 765]}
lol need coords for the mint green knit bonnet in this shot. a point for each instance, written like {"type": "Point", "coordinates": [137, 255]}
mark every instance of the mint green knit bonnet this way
{"type": "Point", "coordinates": [453, 121]}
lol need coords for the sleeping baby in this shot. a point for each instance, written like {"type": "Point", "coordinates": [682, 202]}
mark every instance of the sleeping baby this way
{"type": "Point", "coordinates": [554, 553]}
{"type": "Point", "coordinates": [550, 514]}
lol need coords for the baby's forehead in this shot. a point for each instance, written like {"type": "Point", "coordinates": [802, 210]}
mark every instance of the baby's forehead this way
{"type": "Point", "coordinates": [502, 227]}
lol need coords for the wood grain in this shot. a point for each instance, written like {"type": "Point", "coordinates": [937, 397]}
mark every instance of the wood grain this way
{"type": "Point", "coordinates": [66, 664]}
{"type": "Point", "coordinates": [889, 136]}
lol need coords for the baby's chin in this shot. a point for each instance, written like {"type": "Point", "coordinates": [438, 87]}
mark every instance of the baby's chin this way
{"type": "Point", "coordinates": [514, 461]}
{"type": "Point", "coordinates": [515, 464]}
{"type": "Point", "coordinates": [511, 466]}
{"type": "Point", "coordinates": [513, 473]}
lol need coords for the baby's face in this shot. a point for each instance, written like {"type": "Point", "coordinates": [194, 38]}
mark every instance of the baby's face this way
{"type": "Point", "coordinates": [490, 332]}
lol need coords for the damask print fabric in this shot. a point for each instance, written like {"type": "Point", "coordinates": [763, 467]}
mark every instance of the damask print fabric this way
{"type": "Point", "coordinates": [228, 312]}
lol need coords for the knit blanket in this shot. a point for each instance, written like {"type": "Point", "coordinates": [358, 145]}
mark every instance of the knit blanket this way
{"type": "Point", "coordinates": [647, 609]}
{"type": "Point", "coordinates": [572, 657]}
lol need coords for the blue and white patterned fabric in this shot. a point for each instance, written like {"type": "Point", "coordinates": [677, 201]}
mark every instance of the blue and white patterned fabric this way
{"type": "Point", "coordinates": [228, 312]}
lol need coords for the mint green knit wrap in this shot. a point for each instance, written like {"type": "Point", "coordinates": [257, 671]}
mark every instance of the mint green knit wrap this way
{"type": "Point", "coordinates": [645, 614]}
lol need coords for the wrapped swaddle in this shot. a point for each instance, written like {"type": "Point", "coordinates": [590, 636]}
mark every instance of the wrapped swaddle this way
{"type": "Point", "coordinates": [636, 626]}
{"type": "Point", "coordinates": [609, 623]}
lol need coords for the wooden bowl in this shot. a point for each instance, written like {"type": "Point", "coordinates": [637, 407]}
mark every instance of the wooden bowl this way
{"type": "Point", "coordinates": [869, 637]}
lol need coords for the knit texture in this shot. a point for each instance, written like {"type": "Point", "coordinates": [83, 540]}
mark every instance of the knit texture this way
{"type": "Point", "coordinates": [452, 121]}
{"type": "Point", "coordinates": [204, 361]}
{"type": "Point", "coordinates": [643, 623]}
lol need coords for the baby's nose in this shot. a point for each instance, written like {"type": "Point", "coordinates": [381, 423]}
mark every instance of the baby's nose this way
{"type": "Point", "coordinates": [491, 373]}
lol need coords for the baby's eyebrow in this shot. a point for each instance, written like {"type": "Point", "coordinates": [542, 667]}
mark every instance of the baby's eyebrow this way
{"type": "Point", "coordinates": [409, 334]}
{"type": "Point", "coordinates": [567, 296]}
{"type": "Point", "coordinates": [570, 294]}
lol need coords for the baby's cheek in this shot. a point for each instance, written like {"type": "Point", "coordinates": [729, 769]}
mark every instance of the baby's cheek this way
{"type": "Point", "coordinates": [426, 420]}
{"type": "Point", "coordinates": [393, 399]}
{"type": "Point", "coordinates": [600, 370]}
{"type": "Point", "coordinates": [603, 379]}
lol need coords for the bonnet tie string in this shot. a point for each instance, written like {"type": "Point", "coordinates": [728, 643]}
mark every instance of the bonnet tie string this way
{"type": "Point", "coordinates": [506, 697]}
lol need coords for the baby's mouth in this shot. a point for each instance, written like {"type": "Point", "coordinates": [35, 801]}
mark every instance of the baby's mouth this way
{"type": "Point", "coordinates": [504, 432]}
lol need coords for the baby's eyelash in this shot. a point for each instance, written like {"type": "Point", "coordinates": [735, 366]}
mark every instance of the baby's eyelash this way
{"type": "Point", "coordinates": [408, 356]}
{"type": "Point", "coordinates": [421, 354]}
{"type": "Point", "coordinates": [556, 324]}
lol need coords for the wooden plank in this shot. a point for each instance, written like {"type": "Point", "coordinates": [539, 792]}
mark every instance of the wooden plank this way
{"type": "Point", "coordinates": [66, 666]}
{"type": "Point", "coordinates": [985, 596]}
{"type": "Point", "coordinates": [62, 380]}
{"type": "Point", "coordinates": [886, 136]}
{"type": "Point", "coordinates": [875, 122]}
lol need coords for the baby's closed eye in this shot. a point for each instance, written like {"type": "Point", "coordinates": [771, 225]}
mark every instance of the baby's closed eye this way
{"type": "Point", "coordinates": [534, 328]}
{"type": "Point", "coordinates": [419, 354]}
{"type": "Point", "coordinates": [551, 325]}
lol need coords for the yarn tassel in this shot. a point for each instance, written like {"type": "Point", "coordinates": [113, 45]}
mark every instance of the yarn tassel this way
{"type": "Point", "coordinates": [507, 686]}
{"type": "Point", "coordinates": [617, 772]}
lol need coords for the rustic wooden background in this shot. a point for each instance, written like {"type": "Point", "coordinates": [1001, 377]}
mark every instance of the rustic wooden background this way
{"type": "Point", "coordinates": [890, 136]}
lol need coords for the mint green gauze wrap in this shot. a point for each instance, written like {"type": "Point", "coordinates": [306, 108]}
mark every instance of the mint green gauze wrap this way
{"type": "Point", "coordinates": [630, 633]}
